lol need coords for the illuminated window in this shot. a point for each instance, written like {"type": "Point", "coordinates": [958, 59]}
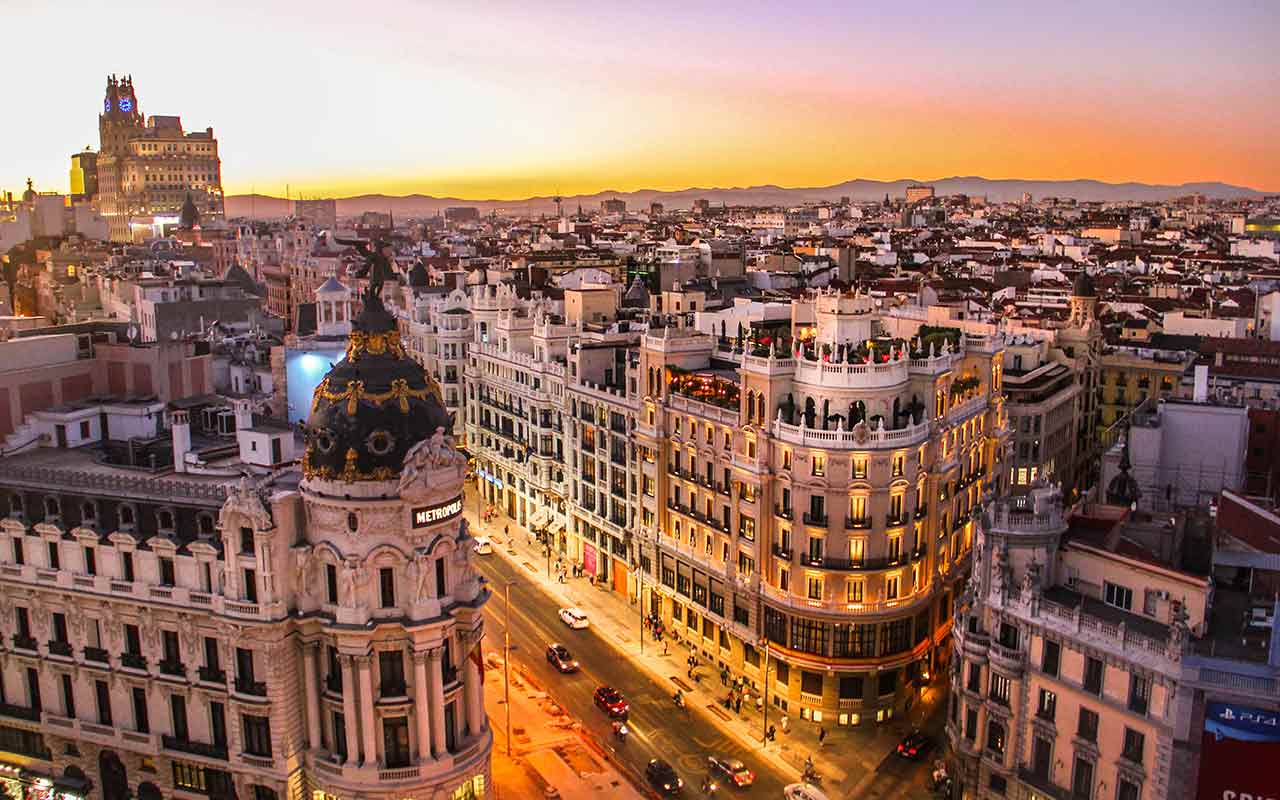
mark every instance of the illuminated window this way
{"type": "Point", "coordinates": [786, 459]}
{"type": "Point", "coordinates": [856, 591]}
{"type": "Point", "coordinates": [891, 587]}
{"type": "Point", "coordinates": [859, 466]}
{"type": "Point", "coordinates": [899, 464]}
{"type": "Point", "coordinates": [857, 550]}
{"type": "Point", "coordinates": [819, 465]}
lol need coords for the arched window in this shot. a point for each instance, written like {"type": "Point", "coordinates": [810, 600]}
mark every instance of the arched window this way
{"type": "Point", "coordinates": [89, 511]}
{"type": "Point", "coordinates": [164, 519]}
{"type": "Point", "coordinates": [205, 524]}
{"type": "Point", "coordinates": [760, 408]}
{"type": "Point", "coordinates": [126, 515]}
{"type": "Point", "coordinates": [15, 504]}
{"type": "Point", "coordinates": [51, 507]}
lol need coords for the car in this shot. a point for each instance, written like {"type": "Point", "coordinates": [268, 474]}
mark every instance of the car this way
{"type": "Point", "coordinates": [610, 701]}
{"type": "Point", "coordinates": [483, 546]}
{"type": "Point", "coordinates": [663, 778]}
{"type": "Point", "coordinates": [731, 770]}
{"type": "Point", "coordinates": [559, 657]}
{"type": "Point", "coordinates": [802, 791]}
{"type": "Point", "coordinates": [575, 618]}
{"type": "Point", "coordinates": [915, 745]}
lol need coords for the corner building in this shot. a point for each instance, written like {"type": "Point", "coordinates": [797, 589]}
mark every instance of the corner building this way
{"type": "Point", "coordinates": [311, 635]}
{"type": "Point", "coordinates": [806, 505]}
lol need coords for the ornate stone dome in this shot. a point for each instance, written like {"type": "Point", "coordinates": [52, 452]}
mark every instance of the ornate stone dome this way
{"type": "Point", "coordinates": [373, 406]}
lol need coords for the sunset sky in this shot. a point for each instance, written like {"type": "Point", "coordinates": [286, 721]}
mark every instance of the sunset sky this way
{"type": "Point", "coordinates": [506, 100]}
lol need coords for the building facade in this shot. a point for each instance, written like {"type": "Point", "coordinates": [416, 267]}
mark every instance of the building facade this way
{"type": "Point", "coordinates": [310, 635]}
{"type": "Point", "coordinates": [148, 167]}
{"type": "Point", "coordinates": [806, 509]}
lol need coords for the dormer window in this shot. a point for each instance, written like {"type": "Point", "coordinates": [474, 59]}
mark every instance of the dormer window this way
{"type": "Point", "coordinates": [205, 525]}
{"type": "Point", "coordinates": [51, 508]}
{"type": "Point", "coordinates": [164, 520]}
{"type": "Point", "coordinates": [89, 511]}
{"type": "Point", "coordinates": [126, 516]}
{"type": "Point", "coordinates": [15, 504]}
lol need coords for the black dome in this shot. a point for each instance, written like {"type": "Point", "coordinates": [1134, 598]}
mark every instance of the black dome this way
{"type": "Point", "coordinates": [1083, 286]}
{"type": "Point", "coordinates": [372, 407]}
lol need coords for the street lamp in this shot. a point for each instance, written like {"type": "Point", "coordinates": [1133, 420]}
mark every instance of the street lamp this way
{"type": "Point", "coordinates": [506, 660]}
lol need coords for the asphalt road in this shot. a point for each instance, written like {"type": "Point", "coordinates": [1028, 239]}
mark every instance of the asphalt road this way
{"type": "Point", "coordinates": [658, 728]}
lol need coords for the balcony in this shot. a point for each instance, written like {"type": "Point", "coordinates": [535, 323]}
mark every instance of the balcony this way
{"type": "Point", "coordinates": [57, 648]}
{"type": "Point", "coordinates": [96, 654]}
{"type": "Point", "coordinates": [133, 660]}
{"type": "Point", "coordinates": [212, 675]}
{"type": "Point", "coordinates": [897, 522]}
{"type": "Point", "coordinates": [248, 686]}
{"type": "Point", "coordinates": [333, 683]}
{"type": "Point", "coordinates": [393, 690]}
{"type": "Point", "coordinates": [819, 520]}
{"type": "Point", "coordinates": [857, 523]}
{"type": "Point", "coordinates": [784, 513]}
{"type": "Point", "coordinates": [782, 552]}
{"type": "Point", "coordinates": [194, 748]}
{"type": "Point", "coordinates": [1043, 784]}
{"type": "Point", "coordinates": [22, 642]}
{"type": "Point", "coordinates": [174, 668]}
{"type": "Point", "coordinates": [20, 712]}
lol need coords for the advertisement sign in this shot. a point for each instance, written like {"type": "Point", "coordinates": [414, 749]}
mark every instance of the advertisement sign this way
{"type": "Point", "coordinates": [441, 512]}
{"type": "Point", "coordinates": [589, 558]}
{"type": "Point", "coordinates": [1240, 746]}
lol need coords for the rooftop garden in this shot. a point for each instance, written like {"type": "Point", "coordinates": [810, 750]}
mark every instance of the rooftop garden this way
{"type": "Point", "coordinates": [704, 388]}
{"type": "Point", "coordinates": [930, 338]}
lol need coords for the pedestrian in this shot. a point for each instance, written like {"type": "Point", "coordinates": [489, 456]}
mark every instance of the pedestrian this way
{"type": "Point", "coordinates": [786, 723]}
{"type": "Point", "coordinates": [737, 705]}
{"type": "Point", "coordinates": [689, 673]}
{"type": "Point", "coordinates": [772, 734]}
{"type": "Point", "coordinates": [664, 645]}
{"type": "Point", "coordinates": [759, 703]}
{"type": "Point", "coordinates": [822, 734]}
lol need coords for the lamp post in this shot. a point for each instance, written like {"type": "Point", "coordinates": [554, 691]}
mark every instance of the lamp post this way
{"type": "Point", "coordinates": [764, 736]}
{"type": "Point", "coordinates": [506, 661]}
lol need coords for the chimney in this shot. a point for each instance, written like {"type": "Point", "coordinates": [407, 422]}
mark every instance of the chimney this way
{"type": "Point", "coordinates": [1201, 393]}
{"type": "Point", "coordinates": [181, 440]}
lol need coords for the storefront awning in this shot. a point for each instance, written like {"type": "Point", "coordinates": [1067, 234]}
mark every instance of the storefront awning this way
{"type": "Point", "coordinates": [538, 520]}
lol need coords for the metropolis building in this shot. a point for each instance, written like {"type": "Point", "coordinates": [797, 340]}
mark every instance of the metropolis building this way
{"type": "Point", "coordinates": [227, 631]}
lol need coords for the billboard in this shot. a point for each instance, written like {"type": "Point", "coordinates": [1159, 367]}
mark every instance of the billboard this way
{"type": "Point", "coordinates": [1239, 749]}
{"type": "Point", "coordinates": [304, 369]}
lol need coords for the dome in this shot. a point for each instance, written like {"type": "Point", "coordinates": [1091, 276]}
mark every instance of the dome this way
{"type": "Point", "coordinates": [418, 274]}
{"type": "Point", "coordinates": [189, 217]}
{"type": "Point", "coordinates": [1123, 489]}
{"type": "Point", "coordinates": [373, 406]}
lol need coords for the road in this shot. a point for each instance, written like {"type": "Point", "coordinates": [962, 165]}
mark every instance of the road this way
{"type": "Point", "coordinates": [659, 730]}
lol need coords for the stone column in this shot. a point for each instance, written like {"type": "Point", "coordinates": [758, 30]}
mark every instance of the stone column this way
{"type": "Point", "coordinates": [310, 652]}
{"type": "Point", "coordinates": [436, 687]}
{"type": "Point", "coordinates": [368, 720]}
{"type": "Point", "coordinates": [421, 705]}
{"type": "Point", "coordinates": [349, 713]}
{"type": "Point", "coordinates": [473, 688]}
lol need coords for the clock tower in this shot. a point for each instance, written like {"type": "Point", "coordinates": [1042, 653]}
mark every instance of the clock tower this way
{"type": "Point", "coordinates": [121, 120]}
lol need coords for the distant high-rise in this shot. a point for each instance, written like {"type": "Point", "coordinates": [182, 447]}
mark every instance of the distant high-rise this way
{"type": "Point", "coordinates": [461, 214]}
{"type": "Point", "coordinates": [148, 166]}
{"type": "Point", "coordinates": [613, 206]}
{"type": "Point", "coordinates": [84, 175]}
{"type": "Point", "coordinates": [322, 214]}
{"type": "Point", "coordinates": [916, 193]}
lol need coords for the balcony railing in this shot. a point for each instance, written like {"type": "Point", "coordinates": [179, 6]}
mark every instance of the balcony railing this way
{"type": "Point", "coordinates": [195, 748]}
{"type": "Point", "coordinates": [24, 642]}
{"type": "Point", "coordinates": [176, 668]}
{"type": "Point", "coordinates": [251, 687]}
{"type": "Point", "coordinates": [20, 712]}
{"type": "Point", "coordinates": [782, 552]}
{"type": "Point", "coordinates": [57, 648]}
{"type": "Point", "coordinates": [815, 519]}
{"type": "Point", "coordinates": [212, 675]}
{"type": "Point", "coordinates": [857, 523]}
{"type": "Point", "coordinates": [1043, 784]}
{"type": "Point", "coordinates": [133, 660]}
{"type": "Point", "coordinates": [784, 513]}
{"type": "Point", "coordinates": [97, 654]}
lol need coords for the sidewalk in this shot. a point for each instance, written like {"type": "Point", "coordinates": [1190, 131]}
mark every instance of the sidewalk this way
{"type": "Point", "coordinates": [549, 756]}
{"type": "Point", "coordinates": [847, 754]}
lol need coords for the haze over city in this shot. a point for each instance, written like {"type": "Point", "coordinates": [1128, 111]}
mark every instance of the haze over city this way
{"type": "Point", "coordinates": [332, 99]}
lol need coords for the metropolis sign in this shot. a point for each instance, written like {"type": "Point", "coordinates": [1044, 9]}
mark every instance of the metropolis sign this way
{"type": "Point", "coordinates": [430, 515]}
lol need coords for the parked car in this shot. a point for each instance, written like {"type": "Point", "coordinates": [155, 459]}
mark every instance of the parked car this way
{"type": "Point", "coordinates": [803, 791]}
{"type": "Point", "coordinates": [610, 701]}
{"type": "Point", "coordinates": [559, 657]}
{"type": "Point", "coordinates": [663, 778]}
{"type": "Point", "coordinates": [483, 546]}
{"type": "Point", "coordinates": [575, 618]}
{"type": "Point", "coordinates": [731, 770]}
{"type": "Point", "coordinates": [915, 745]}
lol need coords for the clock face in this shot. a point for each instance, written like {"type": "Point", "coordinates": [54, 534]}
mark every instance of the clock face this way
{"type": "Point", "coordinates": [126, 104]}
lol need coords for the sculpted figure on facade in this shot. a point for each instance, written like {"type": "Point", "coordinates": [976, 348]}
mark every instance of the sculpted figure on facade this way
{"type": "Point", "coordinates": [303, 557]}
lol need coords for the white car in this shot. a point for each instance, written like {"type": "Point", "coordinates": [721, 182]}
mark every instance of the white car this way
{"type": "Point", "coordinates": [803, 791]}
{"type": "Point", "coordinates": [483, 546]}
{"type": "Point", "coordinates": [573, 617]}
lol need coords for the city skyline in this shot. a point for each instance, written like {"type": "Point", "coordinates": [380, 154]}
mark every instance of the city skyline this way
{"type": "Point", "coordinates": [448, 103]}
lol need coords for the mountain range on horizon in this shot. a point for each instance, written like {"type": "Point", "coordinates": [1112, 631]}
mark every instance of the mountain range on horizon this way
{"type": "Point", "coordinates": [861, 189]}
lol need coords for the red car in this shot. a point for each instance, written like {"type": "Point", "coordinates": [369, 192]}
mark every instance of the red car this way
{"type": "Point", "coordinates": [611, 702]}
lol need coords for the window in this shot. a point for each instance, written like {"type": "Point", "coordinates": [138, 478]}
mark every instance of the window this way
{"type": "Point", "coordinates": [999, 689]}
{"type": "Point", "coordinates": [1093, 675]}
{"type": "Point", "coordinates": [391, 673]}
{"type": "Point", "coordinates": [891, 588]}
{"type": "Point", "coordinates": [68, 696]}
{"type": "Point", "coordinates": [132, 640]}
{"type": "Point", "coordinates": [851, 687]}
{"type": "Point", "coordinates": [141, 722]}
{"type": "Point", "coordinates": [59, 627]}
{"type": "Point", "coordinates": [1049, 661]}
{"type": "Point", "coordinates": [995, 737]}
{"type": "Point", "coordinates": [246, 541]}
{"type": "Point", "coordinates": [339, 735]}
{"type": "Point", "coordinates": [811, 682]}
{"type": "Point", "coordinates": [167, 576]}
{"type": "Point", "coordinates": [178, 710]}
{"type": "Point", "coordinates": [126, 566]}
{"type": "Point", "coordinates": [808, 636]}
{"type": "Point", "coordinates": [104, 702]}
{"type": "Point", "coordinates": [859, 466]}
{"type": "Point", "coordinates": [1133, 745]}
{"type": "Point", "coordinates": [54, 561]}
{"type": "Point", "coordinates": [1127, 790]}
{"type": "Point", "coordinates": [387, 585]}
{"type": "Point", "coordinates": [395, 741]}
{"type": "Point", "coordinates": [90, 561]}
{"type": "Point", "coordinates": [250, 586]}
{"type": "Point", "coordinates": [1047, 707]}
{"type": "Point", "coordinates": [971, 724]}
{"type": "Point", "coordinates": [975, 678]}
{"type": "Point", "coordinates": [257, 735]}
{"type": "Point", "coordinates": [857, 589]}
{"type": "Point", "coordinates": [895, 636]}
{"type": "Point", "coordinates": [1082, 780]}
{"type": "Point", "coordinates": [1139, 694]}
{"type": "Point", "coordinates": [888, 682]}
{"type": "Point", "coordinates": [1088, 726]}
{"type": "Point", "coordinates": [331, 583]}
{"type": "Point", "coordinates": [1118, 596]}
{"type": "Point", "coordinates": [169, 643]}
{"type": "Point", "coordinates": [819, 465]}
